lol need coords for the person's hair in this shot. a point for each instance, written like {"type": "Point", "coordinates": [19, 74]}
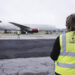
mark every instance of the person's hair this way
{"type": "Point", "coordinates": [70, 22]}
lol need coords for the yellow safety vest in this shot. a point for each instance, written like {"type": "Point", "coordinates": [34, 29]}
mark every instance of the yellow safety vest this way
{"type": "Point", "coordinates": [18, 32]}
{"type": "Point", "coordinates": [65, 64]}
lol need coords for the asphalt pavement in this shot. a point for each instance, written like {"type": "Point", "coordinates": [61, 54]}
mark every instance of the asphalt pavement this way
{"type": "Point", "coordinates": [26, 56]}
{"type": "Point", "coordinates": [25, 48]}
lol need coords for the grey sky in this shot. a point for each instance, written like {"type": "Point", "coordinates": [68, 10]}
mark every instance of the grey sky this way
{"type": "Point", "coordinates": [51, 12]}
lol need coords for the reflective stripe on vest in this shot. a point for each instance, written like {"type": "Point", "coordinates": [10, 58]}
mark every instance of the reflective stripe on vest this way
{"type": "Point", "coordinates": [66, 65]}
{"type": "Point", "coordinates": [64, 53]}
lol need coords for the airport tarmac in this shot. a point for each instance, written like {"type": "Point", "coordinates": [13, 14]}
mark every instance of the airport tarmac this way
{"type": "Point", "coordinates": [28, 36]}
{"type": "Point", "coordinates": [25, 48]}
{"type": "Point", "coordinates": [27, 66]}
{"type": "Point", "coordinates": [27, 55]}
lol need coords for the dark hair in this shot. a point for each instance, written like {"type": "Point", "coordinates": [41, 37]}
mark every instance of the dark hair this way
{"type": "Point", "coordinates": [70, 21]}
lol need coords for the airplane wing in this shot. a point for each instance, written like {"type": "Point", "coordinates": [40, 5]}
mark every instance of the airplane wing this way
{"type": "Point", "coordinates": [25, 28]}
{"type": "Point", "coordinates": [22, 27]}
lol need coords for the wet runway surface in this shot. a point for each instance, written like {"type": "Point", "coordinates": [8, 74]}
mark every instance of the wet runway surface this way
{"type": "Point", "coordinates": [25, 48]}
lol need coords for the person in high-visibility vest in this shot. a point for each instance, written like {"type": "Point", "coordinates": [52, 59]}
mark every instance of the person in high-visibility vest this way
{"type": "Point", "coordinates": [63, 52]}
{"type": "Point", "coordinates": [18, 33]}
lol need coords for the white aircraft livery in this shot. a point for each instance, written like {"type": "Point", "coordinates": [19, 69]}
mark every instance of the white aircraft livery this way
{"type": "Point", "coordinates": [31, 28]}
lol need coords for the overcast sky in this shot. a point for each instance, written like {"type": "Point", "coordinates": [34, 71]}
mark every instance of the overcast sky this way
{"type": "Point", "coordinates": [51, 12]}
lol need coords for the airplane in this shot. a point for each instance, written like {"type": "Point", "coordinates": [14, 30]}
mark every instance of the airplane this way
{"type": "Point", "coordinates": [30, 28]}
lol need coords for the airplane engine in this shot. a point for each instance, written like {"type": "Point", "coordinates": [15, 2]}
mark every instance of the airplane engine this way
{"type": "Point", "coordinates": [35, 30]}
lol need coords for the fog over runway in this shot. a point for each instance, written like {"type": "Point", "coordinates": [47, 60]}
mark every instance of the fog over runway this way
{"type": "Point", "coordinates": [26, 56]}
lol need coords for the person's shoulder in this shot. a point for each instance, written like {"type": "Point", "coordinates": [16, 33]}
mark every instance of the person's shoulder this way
{"type": "Point", "coordinates": [62, 34]}
{"type": "Point", "coordinates": [57, 37]}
